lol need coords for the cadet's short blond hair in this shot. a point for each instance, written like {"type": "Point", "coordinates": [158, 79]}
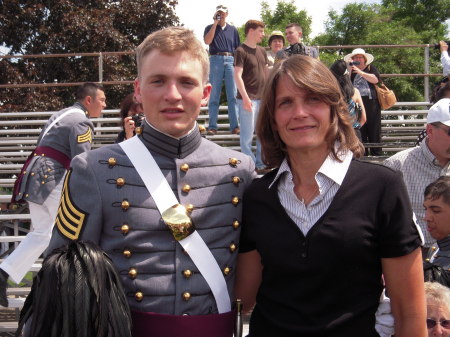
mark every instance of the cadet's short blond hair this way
{"type": "Point", "coordinates": [171, 40]}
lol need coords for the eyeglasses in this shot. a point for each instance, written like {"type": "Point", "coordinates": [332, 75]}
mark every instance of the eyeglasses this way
{"type": "Point", "coordinates": [431, 323]}
{"type": "Point", "coordinates": [445, 129]}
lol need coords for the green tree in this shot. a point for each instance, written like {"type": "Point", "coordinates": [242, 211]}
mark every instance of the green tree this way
{"type": "Point", "coordinates": [73, 26]}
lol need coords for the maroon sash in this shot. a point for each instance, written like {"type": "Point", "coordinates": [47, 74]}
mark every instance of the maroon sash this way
{"type": "Point", "coordinates": [161, 325]}
{"type": "Point", "coordinates": [39, 151]}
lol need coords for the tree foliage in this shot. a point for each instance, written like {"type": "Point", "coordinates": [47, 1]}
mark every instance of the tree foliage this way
{"type": "Point", "coordinates": [73, 26]}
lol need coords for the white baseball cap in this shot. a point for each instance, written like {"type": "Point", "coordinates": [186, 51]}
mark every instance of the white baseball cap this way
{"type": "Point", "coordinates": [440, 112]}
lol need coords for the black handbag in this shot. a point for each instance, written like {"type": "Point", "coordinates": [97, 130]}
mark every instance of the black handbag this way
{"type": "Point", "coordinates": [434, 273]}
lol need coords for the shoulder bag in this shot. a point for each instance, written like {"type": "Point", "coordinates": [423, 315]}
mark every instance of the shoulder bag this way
{"type": "Point", "coordinates": [386, 97]}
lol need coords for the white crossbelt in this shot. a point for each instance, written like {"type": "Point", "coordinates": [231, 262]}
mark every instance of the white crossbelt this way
{"type": "Point", "coordinates": [162, 194]}
{"type": "Point", "coordinates": [57, 119]}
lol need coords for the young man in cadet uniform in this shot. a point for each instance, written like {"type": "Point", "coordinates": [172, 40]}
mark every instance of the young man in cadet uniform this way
{"type": "Point", "coordinates": [67, 133]}
{"type": "Point", "coordinates": [108, 198]}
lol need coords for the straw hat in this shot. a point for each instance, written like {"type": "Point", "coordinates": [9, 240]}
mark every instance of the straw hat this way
{"type": "Point", "coordinates": [359, 51]}
{"type": "Point", "coordinates": [274, 34]}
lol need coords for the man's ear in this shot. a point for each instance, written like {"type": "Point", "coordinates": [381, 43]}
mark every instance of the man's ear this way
{"type": "Point", "coordinates": [206, 94]}
{"type": "Point", "coordinates": [137, 91]}
{"type": "Point", "coordinates": [87, 101]}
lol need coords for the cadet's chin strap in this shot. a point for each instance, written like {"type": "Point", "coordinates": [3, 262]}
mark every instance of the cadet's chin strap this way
{"type": "Point", "coordinates": [176, 218]}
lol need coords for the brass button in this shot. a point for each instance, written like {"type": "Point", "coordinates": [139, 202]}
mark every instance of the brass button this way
{"type": "Point", "coordinates": [189, 208]}
{"type": "Point", "coordinates": [201, 128]}
{"type": "Point", "coordinates": [226, 270]}
{"type": "Point", "coordinates": [235, 201]}
{"type": "Point", "coordinates": [27, 195]}
{"type": "Point", "coordinates": [184, 167]}
{"type": "Point", "coordinates": [236, 180]}
{"type": "Point", "coordinates": [138, 130]}
{"type": "Point", "coordinates": [120, 182]}
{"type": "Point", "coordinates": [233, 161]}
{"type": "Point", "coordinates": [125, 229]}
{"type": "Point", "coordinates": [186, 296]}
{"type": "Point", "coordinates": [24, 172]}
{"type": "Point", "coordinates": [186, 188]}
{"type": "Point", "coordinates": [125, 205]}
{"type": "Point", "coordinates": [43, 182]}
{"type": "Point", "coordinates": [48, 170]}
{"type": "Point", "coordinates": [139, 296]}
{"type": "Point", "coordinates": [187, 273]}
{"type": "Point", "coordinates": [43, 155]}
{"type": "Point", "coordinates": [236, 224]}
{"type": "Point", "coordinates": [132, 273]}
{"type": "Point", "coordinates": [112, 161]}
{"type": "Point", "coordinates": [45, 176]}
{"type": "Point", "coordinates": [427, 259]}
{"type": "Point", "coordinates": [232, 247]}
{"type": "Point", "coordinates": [127, 253]}
{"type": "Point", "coordinates": [32, 174]}
{"type": "Point", "coordinates": [433, 248]}
{"type": "Point", "coordinates": [35, 154]}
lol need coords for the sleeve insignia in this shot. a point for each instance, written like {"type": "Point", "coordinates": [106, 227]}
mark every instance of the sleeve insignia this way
{"type": "Point", "coordinates": [70, 219]}
{"type": "Point", "coordinates": [85, 137]}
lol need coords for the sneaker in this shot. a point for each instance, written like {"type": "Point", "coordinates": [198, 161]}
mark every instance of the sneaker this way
{"type": "Point", "coordinates": [236, 131]}
{"type": "Point", "coordinates": [212, 132]}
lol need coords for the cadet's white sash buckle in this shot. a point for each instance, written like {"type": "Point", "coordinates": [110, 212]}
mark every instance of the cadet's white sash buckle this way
{"type": "Point", "coordinates": [175, 216]}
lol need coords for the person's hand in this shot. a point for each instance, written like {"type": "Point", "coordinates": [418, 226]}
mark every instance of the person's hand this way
{"type": "Point", "coordinates": [3, 285]}
{"type": "Point", "coordinates": [247, 104]}
{"type": "Point", "coordinates": [356, 70]}
{"type": "Point", "coordinates": [129, 126]}
{"type": "Point", "coordinates": [443, 46]}
{"type": "Point", "coordinates": [216, 20]}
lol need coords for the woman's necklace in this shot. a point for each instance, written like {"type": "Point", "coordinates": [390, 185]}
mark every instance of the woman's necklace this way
{"type": "Point", "coordinates": [305, 196]}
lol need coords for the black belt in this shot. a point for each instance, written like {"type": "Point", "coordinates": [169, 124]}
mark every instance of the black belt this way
{"type": "Point", "coordinates": [225, 53]}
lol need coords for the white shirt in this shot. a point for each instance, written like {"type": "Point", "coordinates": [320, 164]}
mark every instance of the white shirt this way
{"type": "Point", "coordinates": [445, 60]}
{"type": "Point", "coordinates": [329, 178]}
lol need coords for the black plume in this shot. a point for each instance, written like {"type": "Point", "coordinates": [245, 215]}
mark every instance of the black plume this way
{"type": "Point", "coordinates": [77, 293]}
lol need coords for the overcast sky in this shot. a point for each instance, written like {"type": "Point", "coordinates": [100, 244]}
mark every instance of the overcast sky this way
{"type": "Point", "coordinates": [197, 14]}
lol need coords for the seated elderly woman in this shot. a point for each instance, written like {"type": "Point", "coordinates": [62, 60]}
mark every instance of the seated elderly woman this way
{"type": "Point", "coordinates": [438, 309]}
{"type": "Point", "coordinates": [319, 231]}
{"type": "Point", "coordinates": [437, 215]}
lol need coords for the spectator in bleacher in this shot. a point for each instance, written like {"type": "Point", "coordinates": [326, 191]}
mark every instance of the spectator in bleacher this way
{"type": "Point", "coordinates": [364, 77]}
{"type": "Point", "coordinates": [178, 280]}
{"type": "Point", "coordinates": [250, 73]}
{"type": "Point", "coordinates": [437, 216]}
{"type": "Point", "coordinates": [438, 309]}
{"type": "Point", "coordinates": [425, 163]}
{"type": "Point", "coordinates": [445, 58]}
{"type": "Point", "coordinates": [67, 133]}
{"type": "Point", "coordinates": [319, 231]}
{"type": "Point", "coordinates": [351, 96]}
{"type": "Point", "coordinates": [132, 116]}
{"type": "Point", "coordinates": [276, 43]}
{"type": "Point", "coordinates": [223, 39]}
{"type": "Point", "coordinates": [77, 292]}
{"type": "Point", "coordinates": [294, 34]}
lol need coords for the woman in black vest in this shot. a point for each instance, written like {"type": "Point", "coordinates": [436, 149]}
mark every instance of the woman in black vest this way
{"type": "Point", "coordinates": [320, 230]}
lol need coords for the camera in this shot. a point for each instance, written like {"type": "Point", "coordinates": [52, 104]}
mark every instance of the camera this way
{"type": "Point", "coordinates": [137, 119]}
{"type": "Point", "coordinates": [217, 17]}
{"type": "Point", "coordinates": [438, 46]}
{"type": "Point", "coordinates": [354, 63]}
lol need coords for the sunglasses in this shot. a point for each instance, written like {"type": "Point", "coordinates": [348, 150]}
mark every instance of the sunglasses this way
{"type": "Point", "coordinates": [445, 129]}
{"type": "Point", "coordinates": [431, 323]}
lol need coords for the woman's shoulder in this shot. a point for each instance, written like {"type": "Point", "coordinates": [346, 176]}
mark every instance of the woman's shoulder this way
{"type": "Point", "coordinates": [377, 172]}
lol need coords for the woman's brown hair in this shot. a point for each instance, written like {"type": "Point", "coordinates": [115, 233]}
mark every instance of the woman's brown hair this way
{"type": "Point", "coordinates": [313, 76]}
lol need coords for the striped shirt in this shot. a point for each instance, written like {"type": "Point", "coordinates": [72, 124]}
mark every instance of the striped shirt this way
{"type": "Point", "coordinates": [420, 168]}
{"type": "Point", "coordinates": [329, 178]}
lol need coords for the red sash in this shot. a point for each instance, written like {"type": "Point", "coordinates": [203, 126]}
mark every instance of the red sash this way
{"type": "Point", "coordinates": [161, 325]}
{"type": "Point", "coordinates": [39, 151]}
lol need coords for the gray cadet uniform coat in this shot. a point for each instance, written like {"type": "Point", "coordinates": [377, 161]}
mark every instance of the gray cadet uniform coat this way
{"type": "Point", "coordinates": [71, 135]}
{"type": "Point", "coordinates": [104, 200]}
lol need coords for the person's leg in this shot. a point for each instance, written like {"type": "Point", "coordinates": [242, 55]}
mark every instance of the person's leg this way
{"type": "Point", "coordinates": [216, 72]}
{"type": "Point", "coordinates": [43, 217]}
{"type": "Point", "coordinates": [374, 126]}
{"type": "Point", "coordinates": [231, 91]}
{"type": "Point", "coordinates": [246, 137]}
{"type": "Point", "coordinates": [258, 158]}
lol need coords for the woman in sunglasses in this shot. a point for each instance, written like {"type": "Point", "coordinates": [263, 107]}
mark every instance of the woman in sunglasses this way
{"type": "Point", "coordinates": [438, 309]}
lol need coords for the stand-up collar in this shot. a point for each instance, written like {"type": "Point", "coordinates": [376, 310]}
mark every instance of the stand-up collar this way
{"type": "Point", "coordinates": [82, 107]}
{"type": "Point", "coordinates": [444, 244]}
{"type": "Point", "coordinates": [168, 146]}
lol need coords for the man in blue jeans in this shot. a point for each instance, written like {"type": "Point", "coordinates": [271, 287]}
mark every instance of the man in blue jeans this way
{"type": "Point", "coordinates": [222, 39]}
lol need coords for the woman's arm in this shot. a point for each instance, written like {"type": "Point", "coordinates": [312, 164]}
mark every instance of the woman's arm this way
{"type": "Point", "coordinates": [358, 99]}
{"type": "Point", "coordinates": [248, 278]}
{"type": "Point", "coordinates": [405, 287]}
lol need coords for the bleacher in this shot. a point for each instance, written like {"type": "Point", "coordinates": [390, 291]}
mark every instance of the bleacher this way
{"type": "Point", "coordinates": [19, 132]}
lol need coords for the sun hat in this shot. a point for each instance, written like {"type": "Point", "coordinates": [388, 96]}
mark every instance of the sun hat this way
{"type": "Point", "coordinates": [222, 8]}
{"type": "Point", "coordinates": [440, 112]}
{"type": "Point", "coordinates": [276, 33]}
{"type": "Point", "coordinates": [359, 51]}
